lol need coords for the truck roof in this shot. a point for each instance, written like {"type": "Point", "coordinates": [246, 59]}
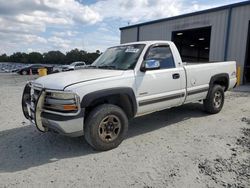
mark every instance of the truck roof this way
{"type": "Point", "coordinates": [147, 42]}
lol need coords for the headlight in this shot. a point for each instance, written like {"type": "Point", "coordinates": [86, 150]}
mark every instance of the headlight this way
{"type": "Point", "coordinates": [61, 95]}
{"type": "Point", "coordinates": [66, 102]}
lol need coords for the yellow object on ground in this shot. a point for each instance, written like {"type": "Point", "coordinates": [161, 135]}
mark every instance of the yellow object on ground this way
{"type": "Point", "coordinates": [42, 72]}
{"type": "Point", "coordinates": [238, 75]}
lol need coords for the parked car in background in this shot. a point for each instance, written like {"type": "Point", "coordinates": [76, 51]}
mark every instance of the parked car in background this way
{"type": "Point", "coordinates": [15, 70]}
{"type": "Point", "coordinates": [34, 69]}
{"type": "Point", "coordinates": [74, 66]}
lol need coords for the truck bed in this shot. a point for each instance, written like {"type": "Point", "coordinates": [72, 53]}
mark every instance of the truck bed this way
{"type": "Point", "coordinates": [198, 76]}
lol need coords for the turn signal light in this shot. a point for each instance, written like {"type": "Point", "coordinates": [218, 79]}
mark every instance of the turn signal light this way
{"type": "Point", "coordinates": [70, 107]}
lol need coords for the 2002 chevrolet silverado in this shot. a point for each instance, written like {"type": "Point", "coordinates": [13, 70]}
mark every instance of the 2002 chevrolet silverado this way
{"type": "Point", "coordinates": [126, 81]}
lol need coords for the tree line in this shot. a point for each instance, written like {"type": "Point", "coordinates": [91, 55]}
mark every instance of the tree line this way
{"type": "Point", "coordinates": [51, 57]}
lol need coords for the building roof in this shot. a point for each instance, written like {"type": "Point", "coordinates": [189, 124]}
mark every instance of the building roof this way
{"type": "Point", "coordinates": [189, 14]}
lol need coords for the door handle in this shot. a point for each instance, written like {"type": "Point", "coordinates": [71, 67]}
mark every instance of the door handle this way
{"type": "Point", "coordinates": [176, 76]}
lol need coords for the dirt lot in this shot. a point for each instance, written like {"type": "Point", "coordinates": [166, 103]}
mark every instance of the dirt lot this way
{"type": "Point", "coordinates": [180, 147]}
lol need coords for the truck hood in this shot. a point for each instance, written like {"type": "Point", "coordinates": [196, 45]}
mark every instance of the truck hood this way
{"type": "Point", "coordinates": [60, 81]}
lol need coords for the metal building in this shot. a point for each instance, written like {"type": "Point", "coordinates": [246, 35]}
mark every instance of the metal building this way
{"type": "Point", "coordinates": [217, 34]}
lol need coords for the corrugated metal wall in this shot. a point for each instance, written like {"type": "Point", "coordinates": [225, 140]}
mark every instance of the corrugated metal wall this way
{"type": "Point", "coordinates": [218, 20]}
{"type": "Point", "coordinates": [129, 35]}
{"type": "Point", "coordinates": [163, 31]}
{"type": "Point", "coordinates": [238, 35]}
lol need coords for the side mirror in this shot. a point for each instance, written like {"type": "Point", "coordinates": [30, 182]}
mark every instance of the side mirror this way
{"type": "Point", "coordinates": [150, 65]}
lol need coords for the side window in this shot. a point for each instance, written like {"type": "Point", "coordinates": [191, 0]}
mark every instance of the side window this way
{"type": "Point", "coordinates": [80, 64]}
{"type": "Point", "coordinates": [36, 66]}
{"type": "Point", "coordinates": [162, 54]}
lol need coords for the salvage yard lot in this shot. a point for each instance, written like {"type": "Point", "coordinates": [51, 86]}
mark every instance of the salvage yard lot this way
{"type": "Point", "coordinates": [179, 147]}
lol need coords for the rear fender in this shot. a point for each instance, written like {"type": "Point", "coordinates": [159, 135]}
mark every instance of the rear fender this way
{"type": "Point", "coordinates": [223, 77]}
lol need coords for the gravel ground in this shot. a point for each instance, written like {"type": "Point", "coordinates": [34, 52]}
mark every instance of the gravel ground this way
{"type": "Point", "coordinates": [179, 147]}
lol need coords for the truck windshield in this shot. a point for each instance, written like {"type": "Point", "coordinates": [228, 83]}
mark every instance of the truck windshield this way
{"type": "Point", "coordinates": [119, 57]}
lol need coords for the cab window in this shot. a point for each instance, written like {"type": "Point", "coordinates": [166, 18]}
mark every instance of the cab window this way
{"type": "Point", "coordinates": [162, 54]}
{"type": "Point", "coordinates": [80, 64]}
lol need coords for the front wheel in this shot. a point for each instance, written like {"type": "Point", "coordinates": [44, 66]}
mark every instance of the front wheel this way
{"type": "Point", "coordinates": [105, 127]}
{"type": "Point", "coordinates": [24, 72]}
{"type": "Point", "coordinates": [215, 100]}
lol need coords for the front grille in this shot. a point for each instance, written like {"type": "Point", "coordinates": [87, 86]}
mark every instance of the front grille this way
{"type": "Point", "coordinates": [32, 100]}
{"type": "Point", "coordinates": [34, 95]}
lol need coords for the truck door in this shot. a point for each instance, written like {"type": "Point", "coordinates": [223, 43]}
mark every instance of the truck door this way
{"type": "Point", "coordinates": [161, 88]}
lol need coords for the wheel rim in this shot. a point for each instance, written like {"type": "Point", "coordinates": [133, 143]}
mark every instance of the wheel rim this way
{"type": "Point", "coordinates": [24, 72]}
{"type": "Point", "coordinates": [217, 99]}
{"type": "Point", "coordinates": [109, 128]}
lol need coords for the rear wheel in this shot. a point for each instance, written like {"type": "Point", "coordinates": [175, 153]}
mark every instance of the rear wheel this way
{"type": "Point", "coordinates": [215, 100]}
{"type": "Point", "coordinates": [24, 72]}
{"type": "Point", "coordinates": [106, 127]}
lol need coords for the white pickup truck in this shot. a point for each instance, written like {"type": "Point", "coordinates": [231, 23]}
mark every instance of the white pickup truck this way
{"type": "Point", "coordinates": [126, 81]}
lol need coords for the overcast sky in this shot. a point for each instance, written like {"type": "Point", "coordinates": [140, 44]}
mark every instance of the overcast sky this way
{"type": "Point", "coordinates": [43, 25]}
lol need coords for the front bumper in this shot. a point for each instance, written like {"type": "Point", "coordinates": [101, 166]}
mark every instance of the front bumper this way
{"type": "Point", "coordinates": [69, 126]}
{"type": "Point", "coordinates": [32, 106]}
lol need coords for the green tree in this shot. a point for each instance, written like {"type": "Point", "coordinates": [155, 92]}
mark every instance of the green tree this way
{"type": "Point", "coordinates": [54, 57]}
{"type": "Point", "coordinates": [91, 57]}
{"type": "Point", "coordinates": [51, 57]}
{"type": "Point", "coordinates": [75, 55]}
{"type": "Point", "coordinates": [35, 58]}
{"type": "Point", "coordinates": [25, 58]}
{"type": "Point", "coordinates": [19, 57]}
{"type": "Point", "coordinates": [4, 58]}
{"type": "Point", "coordinates": [16, 57]}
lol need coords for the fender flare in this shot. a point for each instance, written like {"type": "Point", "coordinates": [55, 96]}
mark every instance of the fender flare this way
{"type": "Point", "coordinates": [217, 77]}
{"type": "Point", "coordinates": [90, 97]}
